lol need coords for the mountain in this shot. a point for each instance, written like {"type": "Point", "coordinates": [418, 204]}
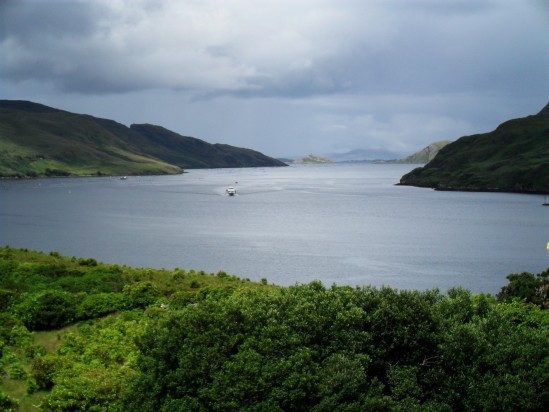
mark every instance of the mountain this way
{"type": "Point", "coordinates": [37, 140]}
{"type": "Point", "coordinates": [189, 152]}
{"type": "Point", "coordinates": [512, 158]}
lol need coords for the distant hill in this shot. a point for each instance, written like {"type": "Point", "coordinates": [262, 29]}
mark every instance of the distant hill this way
{"type": "Point", "coordinates": [312, 159]}
{"type": "Point", "coordinates": [512, 158]}
{"type": "Point", "coordinates": [385, 156]}
{"type": "Point", "coordinates": [426, 154]}
{"type": "Point", "coordinates": [422, 156]}
{"type": "Point", "coordinates": [37, 140]}
{"type": "Point", "coordinates": [361, 156]}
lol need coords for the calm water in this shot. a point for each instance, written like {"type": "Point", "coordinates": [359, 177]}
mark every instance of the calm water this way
{"type": "Point", "coordinates": [344, 224]}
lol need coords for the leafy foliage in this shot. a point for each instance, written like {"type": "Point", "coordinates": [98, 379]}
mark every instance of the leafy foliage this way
{"type": "Point", "coordinates": [8, 404]}
{"type": "Point", "coordinates": [77, 334]}
{"type": "Point", "coordinates": [50, 309]}
{"type": "Point", "coordinates": [527, 287]}
{"type": "Point", "coordinates": [310, 348]}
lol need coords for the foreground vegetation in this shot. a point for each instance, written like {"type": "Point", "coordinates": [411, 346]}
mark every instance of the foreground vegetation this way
{"type": "Point", "coordinates": [76, 334]}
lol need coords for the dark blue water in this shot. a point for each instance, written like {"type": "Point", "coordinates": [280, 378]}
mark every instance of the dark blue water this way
{"type": "Point", "coordinates": [344, 224]}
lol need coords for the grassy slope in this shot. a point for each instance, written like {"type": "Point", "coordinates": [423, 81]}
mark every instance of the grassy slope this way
{"type": "Point", "coordinates": [512, 158]}
{"type": "Point", "coordinates": [189, 152]}
{"type": "Point", "coordinates": [35, 138]}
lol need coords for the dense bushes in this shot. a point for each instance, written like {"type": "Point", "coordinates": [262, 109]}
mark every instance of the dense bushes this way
{"type": "Point", "coordinates": [50, 291]}
{"type": "Point", "coordinates": [526, 286]}
{"type": "Point", "coordinates": [99, 304]}
{"type": "Point", "coordinates": [49, 309]}
{"type": "Point", "coordinates": [145, 339]}
{"type": "Point", "coordinates": [308, 348]}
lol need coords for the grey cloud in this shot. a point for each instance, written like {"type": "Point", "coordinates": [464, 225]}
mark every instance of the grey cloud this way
{"type": "Point", "coordinates": [312, 75]}
{"type": "Point", "coordinates": [32, 21]}
{"type": "Point", "coordinates": [419, 46]}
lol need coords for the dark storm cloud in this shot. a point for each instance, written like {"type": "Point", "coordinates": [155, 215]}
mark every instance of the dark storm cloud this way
{"type": "Point", "coordinates": [31, 20]}
{"type": "Point", "coordinates": [399, 73]}
{"type": "Point", "coordinates": [332, 47]}
{"type": "Point", "coordinates": [68, 43]}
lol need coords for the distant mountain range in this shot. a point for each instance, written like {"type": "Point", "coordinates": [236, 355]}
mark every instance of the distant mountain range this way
{"type": "Point", "coordinates": [512, 158]}
{"type": "Point", "coordinates": [372, 156]}
{"type": "Point", "coordinates": [37, 140]}
{"type": "Point", "coordinates": [361, 155]}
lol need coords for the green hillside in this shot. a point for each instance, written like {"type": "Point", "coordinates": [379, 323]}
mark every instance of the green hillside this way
{"type": "Point", "coordinates": [189, 152]}
{"type": "Point", "coordinates": [81, 335]}
{"type": "Point", "coordinates": [37, 140]}
{"type": "Point", "coordinates": [512, 158]}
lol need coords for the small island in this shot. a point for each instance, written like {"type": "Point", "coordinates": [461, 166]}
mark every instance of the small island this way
{"type": "Point", "coordinates": [312, 159]}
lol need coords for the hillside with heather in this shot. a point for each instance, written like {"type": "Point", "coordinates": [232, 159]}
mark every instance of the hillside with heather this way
{"type": "Point", "coordinates": [512, 158]}
{"type": "Point", "coordinates": [37, 140]}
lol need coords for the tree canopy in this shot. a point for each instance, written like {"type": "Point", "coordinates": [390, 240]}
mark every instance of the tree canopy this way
{"type": "Point", "coordinates": [77, 334]}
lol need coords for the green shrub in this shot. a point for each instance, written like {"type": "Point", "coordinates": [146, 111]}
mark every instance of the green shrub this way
{"type": "Point", "coordinates": [7, 323]}
{"type": "Point", "coordinates": [179, 300]}
{"type": "Point", "coordinates": [8, 404]}
{"type": "Point", "coordinates": [43, 369]}
{"type": "Point", "coordinates": [141, 294]}
{"type": "Point", "coordinates": [87, 262]}
{"type": "Point", "coordinates": [49, 309]}
{"type": "Point", "coordinates": [214, 292]}
{"type": "Point", "coordinates": [16, 371]}
{"type": "Point", "coordinates": [526, 286]}
{"type": "Point", "coordinates": [99, 304]}
{"type": "Point", "coordinates": [6, 298]}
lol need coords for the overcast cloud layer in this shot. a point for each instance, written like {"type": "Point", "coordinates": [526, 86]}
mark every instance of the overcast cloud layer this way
{"type": "Point", "coordinates": [285, 77]}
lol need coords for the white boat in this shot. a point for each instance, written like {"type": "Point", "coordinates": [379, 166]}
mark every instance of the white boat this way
{"type": "Point", "coordinates": [231, 191]}
{"type": "Point", "coordinates": [123, 177]}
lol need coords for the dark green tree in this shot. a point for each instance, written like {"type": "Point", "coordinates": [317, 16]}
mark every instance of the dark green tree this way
{"type": "Point", "coordinates": [526, 286]}
{"type": "Point", "coordinates": [49, 309]}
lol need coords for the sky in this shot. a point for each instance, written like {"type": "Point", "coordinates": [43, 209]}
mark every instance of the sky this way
{"type": "Point", "coordinates": [284, 77]}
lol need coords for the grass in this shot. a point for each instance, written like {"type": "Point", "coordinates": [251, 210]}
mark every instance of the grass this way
{"type": "Point", "coordinates": [52, 339]}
